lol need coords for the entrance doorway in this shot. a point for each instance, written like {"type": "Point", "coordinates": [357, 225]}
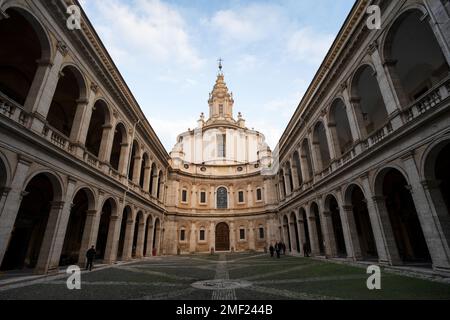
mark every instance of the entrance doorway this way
{"type": "Point", "coordinates": [222, 237]}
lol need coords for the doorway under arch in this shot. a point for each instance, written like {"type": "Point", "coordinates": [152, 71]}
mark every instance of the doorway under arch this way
{"type": "Point", "coordinates": [222, 237]}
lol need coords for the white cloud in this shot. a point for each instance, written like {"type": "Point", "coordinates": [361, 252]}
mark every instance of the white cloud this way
{"type": "Point", "coordinates": [169, 129]}
{"type": "Point", "coordinates": [147, 28]}
{"type": "Point", "coordinates": [309, 46]}
{"type": "Point", "coordinates": [248, 24]}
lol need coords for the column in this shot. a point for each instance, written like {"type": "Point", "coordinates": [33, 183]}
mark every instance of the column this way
{"type": "Point", "coordinates": [294, 172]}
{"type": "Point", "coordinates": [137, 167]}
{"type": "Point", "coordinates": [381, 226]}
{"type": "Point", "coordinates": [352, 119]}
{"type": "Point", "coordinates": [232, 237]}
{"type": "Point", "coordinates": [112, 242]}
{"type": "Point", "coordinates": [193, 239]}
{"type": "Point", "coordinates": [315, 251]}
{"type": "Point", "coordinates": [55, 232]}
{"type": "Point", "coordinates": [250, 199]}
{"type": "Point", "coordinates": [155, 183]}
{"type": "Point", "coordinates": [355, 102]}
{"type": "Point", "coordinates": [161, 188]}
{"type": "Point", "coordinates": [393, 97]}
{"type": "Point", "coordinates": [4, 194]}
{"type": "Point", "coordinates": [434, 237]}
{"type": "Point", "coordinates": [328, 234]}
{"type": "Point", "coordinates": [128, 242]}
{"type": "Point", "coordinates": [349, 229]}
{"type": "Point", "coordinates": [251, 237]}
{"type": "Point", "coordinates": [351, 238]}
{"type": "Point", "coordinates": [193, 196]}
{"type": "Point", "coordinates": [212, 236]}
{"type": "Point", "coordinates": [150, 233]}
{"type": "Point", "coordinates": [314, 156]}
{"type": "Point", "coordinates": [104, 154]}
{"type": "Point", "coordinates": [331, 145]}
{"type": "Point", "coordinates": [438, 207]}
{"type": "Point", "coordinates": [440, 24]}
{"type": "Point", "coordinates": [305, 166]}
{"type": "Point", "coordinates": [43, 88]}
{"type": "Point", "coordinates": [82, 121]}
{"type": "Point", "coordinates": [147, 172]}
{"type": "Point", "coordinates": [124, 158]}
{"type": "Point", "coordinates": [292, 227]}
{"type": "Point", "coordinates": [334, 138]}
{"type": "Point", "coordinates": [301, 232]}
{"type": "Point", "coordinates": [88, 235]}
{"type": "Point", "coordinates": [287, 180]}
{"type": "Point", "coordinates": [12, 204]}
{"type": "Point", "coordinates": [141, 238]}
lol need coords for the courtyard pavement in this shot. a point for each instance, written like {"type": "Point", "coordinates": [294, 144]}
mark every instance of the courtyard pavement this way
{"type": "Point", "coordinates": [227, 277]}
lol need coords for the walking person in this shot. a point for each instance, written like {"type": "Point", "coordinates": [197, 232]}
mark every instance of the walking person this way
{"type": "Point", "coordinates": [278, 249]}
{"type": "Point", "coordinates": [305, 250]}
{"type": "Point", "coordinates": [272, 250]}
{"type": "Point", "coordinates": [90, 255]}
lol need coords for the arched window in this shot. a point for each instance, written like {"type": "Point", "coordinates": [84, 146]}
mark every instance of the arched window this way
{"type": "Point", "coordinates": [369, 105]}
{"type": "Point", "coordinates": [99, 120]}
{"type": "Point", "coordinates": [414, 56]}
{"type": "Point", "coordinates": [340, 127]}
{"type": "Point", "coordinates": [69, 93]}
{"type": "Point", "coordinates": [18, 58]}
{"type": "Point", "coordinates": [320, 143]}
{"type": "Point", "coordinates": [222, 198]}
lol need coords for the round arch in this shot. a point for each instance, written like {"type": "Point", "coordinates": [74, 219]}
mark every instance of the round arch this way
{"type": "Point", "coordinates": [222, 197]}
{"type": "Point", "coordinates": [371, 113]}
{"type": "Point", "coordinates": [332, 206]}
{"type": "Point", "coordinates": [340, 127]}
{"type": "Point", "coordinates": [18, 67]}
{"type": "Point", "coordinates": [295, 233]}
{"type": "Point", "coordinates": [70, 90]}
{"type": "Point", "coordinates": [84, 200]}
{"type": "Point", "coordinates": [98, 126]}
{"type": "Point", "coordinates": [5, 171]}
{"type": "Point", "coordinates": [392, 184]}
{"type": "Point", "coordinates": [321, 146]}
{"type": "Point", "coordinates": [42, 191]}
{"type": "Point", "coordinates": [416, 71]}
{"type": "Point", "coordinates": [119, 146]}
{"type": "Point", "coordinates": [222, 237]}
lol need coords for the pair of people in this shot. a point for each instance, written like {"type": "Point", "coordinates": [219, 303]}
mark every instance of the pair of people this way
{"type": "Point", "coordinates": [279, 248]}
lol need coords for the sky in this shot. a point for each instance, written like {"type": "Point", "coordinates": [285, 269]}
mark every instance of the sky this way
{"type": "Point", "coordinates": [167, 52]}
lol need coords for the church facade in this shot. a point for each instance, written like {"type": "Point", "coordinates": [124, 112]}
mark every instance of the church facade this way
{"type": "Point", "coordinates": [360, 173]}
{"type": "Point", "coordinates": [221, 191]}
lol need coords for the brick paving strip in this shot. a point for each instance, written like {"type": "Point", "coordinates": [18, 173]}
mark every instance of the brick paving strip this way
{"type": "Point", "coordinates": [222, 274]}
